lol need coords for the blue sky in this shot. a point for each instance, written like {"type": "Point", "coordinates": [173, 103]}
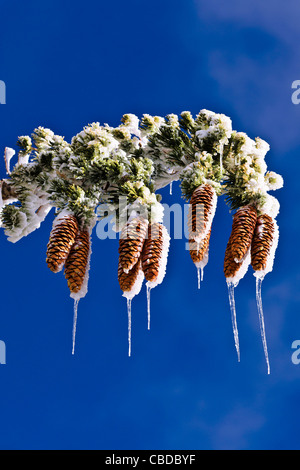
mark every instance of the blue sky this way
{"type": "Point", "coordinates": [67, 64]}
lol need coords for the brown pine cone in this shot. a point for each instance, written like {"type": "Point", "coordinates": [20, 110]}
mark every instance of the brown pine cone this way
{"type": "Point", "coordinates": [128, 279]}
{"type": "Point", "coordinates": [201, 210]}
{"type": "Point", "coordinates": [230, 266]}
{"type": "Point", "coordinates": [77, 261]}
{"type": "Point", "coordinates": [152, 252]}
{"type": "Point", "coordinates": [243, 226]}
{"type": "Point", "coordinates": [62, 237]}
{"type": "Point", "coordinates": [262, 242]}
{"type": "Point", "coordinates": [198, 250]}
{"type": "Point", "coordinates": [131, 242]}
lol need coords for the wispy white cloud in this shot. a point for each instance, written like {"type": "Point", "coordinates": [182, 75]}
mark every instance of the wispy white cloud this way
{"type": "Point", "coordinates": [254, 62]}
{"type": "Point", "coordinates": [235, 429]}
{"type": "Point", "coordinates": [272, 16]}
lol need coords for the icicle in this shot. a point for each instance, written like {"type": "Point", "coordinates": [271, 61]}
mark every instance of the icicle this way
{"type": "Point", "coordinates": [129, 325]}
{"type": "Point", "coordinates": [231, 287]}
{"type": "Point", "coordinates": [199, 277]}
{"type": "Point", "coordinates": [148, 304]}
{"type": "Point", "coordinates": [198, 267]}
{"type": "Point", "coordinates": [200, 273]}
{"type": "Point", "coordinates": [76, 301]}
{"type": "Point", "coordinates": [171, 189]}
{"type": "Point", "coordinates": [261, 319]}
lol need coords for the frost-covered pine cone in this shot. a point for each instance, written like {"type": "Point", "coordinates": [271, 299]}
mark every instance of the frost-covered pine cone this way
{"type": "Point", "coordinates": [231, 267]}
{"type": "Point", "coordinates": [77, 261]}
{"type": "Point", "coordinates": [262, 242]}
{"type": "Point", "coordinates": [234, 271]}
{"type": "Point", "coordinates": [153, 251]}
{"type": "Point", "coordinates": [127, 280]}
{"type": "Point", "coordinates": [199, 250]}
{"type": "Point", "coordinates": [131, 242]}
{"type": "Point", "coordinates": [201, 212]}
{"type": "Point", "coordinates": [243, 226]}
{"type": "Point", "coordinates": [62, 238]}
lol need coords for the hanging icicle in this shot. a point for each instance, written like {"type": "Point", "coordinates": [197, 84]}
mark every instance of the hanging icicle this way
{"type": "Point", "coordinates": [264, 245]}
{"type": "Point", "coordinates": [130, 273]}
{"type": "Point", "coordinates": [261, 320]}
{"type": "Point", "coordinates": [148, 304]}
{"type": "Point", "coordinates": [234, 272]}
{"type": "Point", "coordinates": [154, 258]}
{"type": "Point", "coordinates": [130, 283]}
{"type": "Point", "coordinates": [235, 266]}
{"type": "Point", "coordinates": [77, 272]}
{"type": "Point", "coordinates": [76, 302]}
{"type": "Point", "coordinates": [231, 288]}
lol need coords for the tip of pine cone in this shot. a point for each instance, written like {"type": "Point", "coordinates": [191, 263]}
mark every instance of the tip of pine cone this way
{"type": "Point", "coordinates": [53, 267]}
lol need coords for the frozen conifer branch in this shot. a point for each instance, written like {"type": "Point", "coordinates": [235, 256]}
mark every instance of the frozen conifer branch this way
{"type": "Point", "coordinates": [103, 165]}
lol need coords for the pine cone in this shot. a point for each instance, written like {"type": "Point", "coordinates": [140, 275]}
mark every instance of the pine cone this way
{"type": "Point", "coordinates": [230, 265]}
{"type": "Point", "coordinates": [243, 226]}
{"type": "Point", "coordinates": [201, 211]}
{"type": "Point", "coordinates": [128, 279]}
{"type": "Point", "coordinates": [262, 242]}
{"type": "Point", "coordinates": [131, 242]}
{"type": "Point", "coordinates": [77, 261]}
{"type": "Point", "coordinates": [62, 237]}
{"type": "Point", "coordinates": [198, 250]}
{"type": "Point", "coordinates": [153, 251]}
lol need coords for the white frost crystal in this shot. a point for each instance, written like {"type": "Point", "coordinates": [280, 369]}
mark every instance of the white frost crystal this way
{"type": "Point", "coordinates": [136, 288]}
{"type": "Point", "coordinates": [17, 233]}
{"type": "Point", "coordinates": [243, 268]}
{"type": "Point", "coordinates": [274, 181]}
{"type": "Point", "coordinates": [131, 121]}
{"type": "Point", "coordinates": [9, 153]}
{"type": "Point", "coordinates": [271, 206]}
